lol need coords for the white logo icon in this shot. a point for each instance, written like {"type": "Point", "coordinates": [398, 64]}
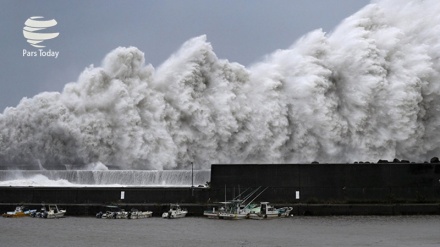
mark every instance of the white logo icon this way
{"type": "Point", "coordinates": [33, 25]}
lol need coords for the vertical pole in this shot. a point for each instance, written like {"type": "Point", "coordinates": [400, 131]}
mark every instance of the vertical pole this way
{"type": "Point", "coordinates": [192, 179]}
{"type": "Point", "coordinates": [239, 194]}
{"type": "Point", "coordinates": [192, 174]}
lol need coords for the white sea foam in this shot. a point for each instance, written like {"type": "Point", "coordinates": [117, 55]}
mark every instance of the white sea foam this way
{"type": "Point", "coordinates": [37, 180]}
{"type": "Point", "coordinates": [104, 178]}
{"type": "Point", "coordinates": [367, 91]}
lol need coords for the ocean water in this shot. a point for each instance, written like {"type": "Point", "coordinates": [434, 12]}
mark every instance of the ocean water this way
{"type": "Point", "coordinates": [414, 231]}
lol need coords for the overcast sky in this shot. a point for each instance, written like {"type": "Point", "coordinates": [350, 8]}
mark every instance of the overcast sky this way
{"type": "Point", "coordinates": [240, 31]}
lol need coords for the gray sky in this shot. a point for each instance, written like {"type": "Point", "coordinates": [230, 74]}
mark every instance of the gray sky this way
{"type": "Point", "coordinates": [240, 31]}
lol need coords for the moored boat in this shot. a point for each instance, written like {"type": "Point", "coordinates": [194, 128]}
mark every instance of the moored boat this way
{"type": "Point", "coordinates": [115, 212]}
{"type": "Point", "coordinates": [136, 214]}
{"type": "Point", "coordinates": [112, 212]}
{"type": "Point", "coordinates": [237, 208]}
{"type": "Point", "coordinates": [267, 211]}
{"type": "Point", "coordinates": [215, 211]}
{"type": "Point", "coordinates": [234, 210]}
{"type": "Point", "coordinates": [174, 212]}
{"type": "Point", "coordinates": [20, 211]}
{"type": "Point", "coordinates": [50, 212]}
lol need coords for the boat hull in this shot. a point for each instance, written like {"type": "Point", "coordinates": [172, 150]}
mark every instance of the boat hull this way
{"type": "Point", "coordinates": [14, 215]}
{"type": "Point", "coordinates": [211, 215]}
{"type": "Point", "coordinates": [232, 216]}
{"type": "Point", "coordinates": [19, 212]}
{"type": "Point", "coordinates": [175, 212]}
{"type": "Point", "coordinates": [56, 215]}
{"type": "Point", "coordinates": [141, 215]}
{"type": "Point", "coordinates": [263, 216]}
{"type": "Point", "coordinates": [168, 215]}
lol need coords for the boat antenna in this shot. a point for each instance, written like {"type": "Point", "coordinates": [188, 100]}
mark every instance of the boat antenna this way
{"type": "Point", "coordinates": [192, 174]}
{"type": "Point", "coordinates": [225, 192]}
{"type": "Point", "coordinates": [256, 196]}
{"type": "Point", "coordinates": [192, 179]}
{"type": "Point", "coordinates": [240, 194]}
{"type": "Point", "coordinates": [238, 191]}
{"type": "Point", "coordinates": [251, 194]}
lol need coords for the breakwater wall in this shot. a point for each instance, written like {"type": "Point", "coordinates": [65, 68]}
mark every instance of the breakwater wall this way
{"type": "Point", "coordinates": [311, 189]}
{"type": "Point", "coordinates": [102, 195]}
{"type": "Point", "coordinates": [331, 183]}
{"type": "Point", "coordinates": [87, 201]}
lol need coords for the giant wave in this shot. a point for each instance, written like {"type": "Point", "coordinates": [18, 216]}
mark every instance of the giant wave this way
{"type": "Point", "coordinates": [367, 91]}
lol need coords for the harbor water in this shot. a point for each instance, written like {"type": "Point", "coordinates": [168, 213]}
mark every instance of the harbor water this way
{"type": "Point", "coordinates": [421, 231]}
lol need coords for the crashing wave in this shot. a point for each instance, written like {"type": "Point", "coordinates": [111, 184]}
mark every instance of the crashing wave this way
{"type": "Point", "coordinates": [369, 90]}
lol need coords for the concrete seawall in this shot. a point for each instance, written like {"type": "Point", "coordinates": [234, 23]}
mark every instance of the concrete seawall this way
{"type": "Point", "coordinates": [103, 195]}
{"type": "Point", "coordinates": [383, 183]}
{"type": "Point", "coordinates": [311, 189]}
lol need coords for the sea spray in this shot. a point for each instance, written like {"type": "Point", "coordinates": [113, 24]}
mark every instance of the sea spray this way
{"type": "Point", "coordinates": [102, 178]}
{"type": "Point", "coordinates": [367, 91]}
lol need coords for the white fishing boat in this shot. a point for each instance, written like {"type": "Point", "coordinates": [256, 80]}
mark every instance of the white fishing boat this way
{"type": "Point", "coordinates": [20, 211]}
{"type": "Point", "coordinates": [211, 214]}
{"type": "Point", "coordinates": [267, 211]}
{"type": "Point", "coordinates": [115, 215]}
{"type": "Point", "coordinates": [50, 212]}
{"type": "Point", "coordinates": [115, 212]}
{"type": "Point", "coordinates": [215, 211]}
{"type": "Point", "coordinates": [237, 208]}
{"type": "Point", "coordinates": [112, 212]}
{"type": "Point", "coordinates": [175, 212]}
{"type": "Point", "coordinates": [285, 211]}
{"type": "Point", "coordinates": [54, 212]}
{"type": "Point", "coordinates": [233, 211]}
{"type": "Point", "coordinates": [136, 214]}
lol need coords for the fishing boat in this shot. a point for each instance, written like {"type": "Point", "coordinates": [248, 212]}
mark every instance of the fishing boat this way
{"type": "Point", "coordinates": [136, 214]}
{"type": "Point", "coordinates": [115, 212]}
{"type": "Point", "coordinates": [112, 212]}
{"type": "Point", "coordinates": [234, 211]}
{"type": "Point", "coordinates": [50, 212]}
{"type": "Point", "coordinates": [237, 208]}
{"type": "Point", "coordinates": [175, 212]}
{"type": "Point", "coordinates": [116, 215]}
{"type": "Point", "coordinates": [215, 211]}
{"type": "Point", "coordinates": [267, 211]}
{"type": "Point", "coordinates": [20, 211]}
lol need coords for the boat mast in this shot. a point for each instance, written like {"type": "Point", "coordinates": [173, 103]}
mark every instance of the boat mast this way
{"type": "Point", "coordinates": [225, 192]}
